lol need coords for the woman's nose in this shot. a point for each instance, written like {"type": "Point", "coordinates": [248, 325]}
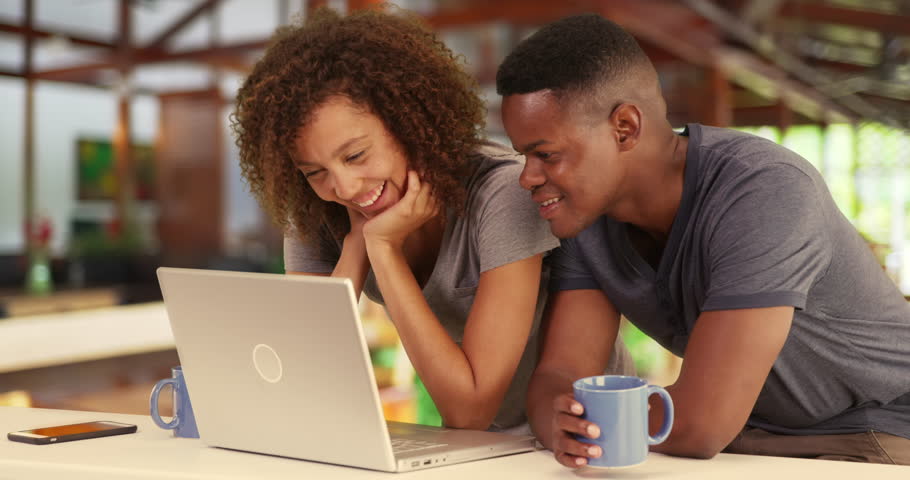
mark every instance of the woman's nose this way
{"type": "Point", "coordinates": [345, 187]}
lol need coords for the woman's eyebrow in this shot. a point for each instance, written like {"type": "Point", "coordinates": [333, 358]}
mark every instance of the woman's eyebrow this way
{"type": "Point", "coordinates": [347, 144]}
{"type": "Point", "coordinates": [303, 163]}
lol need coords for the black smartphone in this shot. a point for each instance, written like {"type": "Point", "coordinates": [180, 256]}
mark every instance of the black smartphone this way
{"type": "Point", "coordinates": [68, 433]}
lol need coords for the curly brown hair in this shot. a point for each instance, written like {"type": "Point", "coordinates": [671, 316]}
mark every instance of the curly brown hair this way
{"type": "Point", "coordinates": [386, 62]}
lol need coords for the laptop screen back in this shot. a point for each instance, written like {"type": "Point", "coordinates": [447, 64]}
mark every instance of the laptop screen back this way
{"type": "Point", "coordinates": [277, 364]}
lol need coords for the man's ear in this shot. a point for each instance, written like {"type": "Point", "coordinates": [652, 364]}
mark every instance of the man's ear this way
{"type": "Point", "coordinates": [626, 121]}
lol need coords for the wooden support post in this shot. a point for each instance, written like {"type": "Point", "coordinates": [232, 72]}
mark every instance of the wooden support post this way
{"type": "Point", "coordinates": [784, 117]}
{"type": "Point", "coordinates": [28, 151]}
{"type": "Point", "coordinates": [314, 4]}
{"type": "Point", "coordinates": [719, 110]}
{"type": "Point", "coordinates": [214, 40]}
{"type": "Point", "coordinates": [123, 165]}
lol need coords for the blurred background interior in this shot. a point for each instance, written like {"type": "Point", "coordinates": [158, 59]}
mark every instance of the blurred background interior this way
{"type": "Point", "coordinates": [116, 156]}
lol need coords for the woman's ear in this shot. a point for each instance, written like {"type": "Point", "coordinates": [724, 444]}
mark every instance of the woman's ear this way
{"type": "Point", "coordinates": [626, 121]}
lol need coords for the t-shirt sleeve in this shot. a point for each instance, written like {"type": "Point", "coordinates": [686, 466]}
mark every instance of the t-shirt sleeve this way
{"type": "Point", "coordinates": [567, 270]}
{"type": "Point", "coordinates": [768, 246]}
{"type": "Point", "coordinates": [508, 227]}
{"type": "Point", "coordinates": [309, 257]}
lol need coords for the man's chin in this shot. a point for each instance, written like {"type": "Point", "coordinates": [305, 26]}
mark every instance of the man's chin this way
{"type": "Point", "coordinates": [561, 230]}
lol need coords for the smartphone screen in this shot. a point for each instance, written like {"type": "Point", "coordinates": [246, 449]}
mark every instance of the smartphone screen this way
{"type": "Point", "coordinates": [67, 433]}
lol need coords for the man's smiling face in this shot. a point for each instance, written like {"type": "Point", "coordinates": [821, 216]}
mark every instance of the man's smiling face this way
{"type": "Point", "coordinates": [572, 168]}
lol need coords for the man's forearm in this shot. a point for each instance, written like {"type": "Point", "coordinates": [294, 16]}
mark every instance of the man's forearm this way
{"type": "Point", "coordinates": [694, 433]}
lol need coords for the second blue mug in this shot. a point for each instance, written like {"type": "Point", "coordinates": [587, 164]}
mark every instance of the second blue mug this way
{"type": "Point", "coordinates": [184, 421]}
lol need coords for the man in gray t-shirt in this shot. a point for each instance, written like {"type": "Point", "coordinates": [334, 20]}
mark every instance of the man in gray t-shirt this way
{"type": "Point", "coordinates": [726, 248]}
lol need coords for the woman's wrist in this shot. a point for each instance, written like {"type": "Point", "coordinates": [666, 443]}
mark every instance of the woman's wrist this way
{"type": "Point", "coordinates": [380, 249]}
{"type": "Point", "coordinates": [377, 242]}
{"type": "Point", "coordinates": [354, 238]}
{"type": "Point", "coordinates": [354, 249]}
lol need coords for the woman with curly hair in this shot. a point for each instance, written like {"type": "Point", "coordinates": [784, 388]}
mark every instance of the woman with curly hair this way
{"type": "Point", "coordinates": [362, 136]}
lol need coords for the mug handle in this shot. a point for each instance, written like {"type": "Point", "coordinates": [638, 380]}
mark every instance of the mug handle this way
{"type": "Point", "coordinates": [668, 415]}
{"type": "Point", "coordinates": [153, 404]}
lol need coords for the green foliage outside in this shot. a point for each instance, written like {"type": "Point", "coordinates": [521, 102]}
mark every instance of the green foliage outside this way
{"type": "Point", "coordinates": [861, 166]}
{"type": "Point", "coordinates": [427, 413]}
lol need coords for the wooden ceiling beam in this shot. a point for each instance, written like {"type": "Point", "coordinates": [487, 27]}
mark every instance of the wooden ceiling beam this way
{"type": "Point", "coordinates": [770, 81]}
{"type": "Point", "coordinates": [759, 11]}
{"type": "Point", "coordinates": [767, 115]}
{"type": "Point", "coordinates": [75, 72]}
{"type": "Point", "coordinates": [162, 38]}
{"type": "Point", "coordinates": [804, 94]}
{"type": "Point", "coordinates": [7, 73]}
{"type": "Point", "coordinates": [679, 30]}
{"type": "Point", "coordinates": [840, 67]}
{"type": "Point", "coordinates": [883, 100]}
{"type": "Point", "coordinates": [124, 51]}
{"type": "Point", "coordinates": [146, 56]}
{"type": "Point", "coordinates": [668, 29]}
{"type": "Point", "coordinates": [819, 12]}
{"type": "Point", "coordinates": [516, 12]}
{"type": "Point", "coordinates": [232, 64]}
{"type": "Point", "coordinates": [38, 33]}
{"type": "Point", "coordinates": [203, 54]}
{"type": "Point", "coordinates": [667, 25]}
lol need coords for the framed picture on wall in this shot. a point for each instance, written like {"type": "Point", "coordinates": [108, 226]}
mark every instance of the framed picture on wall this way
{"type": "Point", "coordinates": [96, 175]}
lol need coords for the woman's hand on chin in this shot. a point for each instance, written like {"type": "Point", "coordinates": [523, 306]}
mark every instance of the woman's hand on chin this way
{"type": "Point", "coordinates": [393, 225]}
{"type": "Point", "coordinates": [357, 220]}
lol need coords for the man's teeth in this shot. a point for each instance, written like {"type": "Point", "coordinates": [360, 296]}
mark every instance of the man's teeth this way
{"type": "Point", "coordinates": [550, 202]}
{"type": "Point", "coordinates": [377, 193]}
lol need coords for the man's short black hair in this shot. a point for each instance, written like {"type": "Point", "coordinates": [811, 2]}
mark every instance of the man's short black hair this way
{"type": "Point", "coordinates": [573, 55]}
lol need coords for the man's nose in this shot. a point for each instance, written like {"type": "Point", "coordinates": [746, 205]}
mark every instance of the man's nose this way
{"type": "Point", "coordinates": [531, 175]}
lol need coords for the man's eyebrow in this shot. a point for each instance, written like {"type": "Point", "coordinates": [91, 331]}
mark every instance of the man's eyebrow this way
{"type": "Point", "coordinates": [303, 163]}
{"type": "Point", "coordinates": [531, 146]}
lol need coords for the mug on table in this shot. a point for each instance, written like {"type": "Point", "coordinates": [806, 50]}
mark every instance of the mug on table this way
{"type": "Point", "coordinates": [619, 406]}
{"type": "Point", "coordinates": [183, 422]}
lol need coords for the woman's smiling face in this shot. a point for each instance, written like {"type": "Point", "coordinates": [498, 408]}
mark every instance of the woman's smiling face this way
{"type": "Point", "coordinates": [349, 157]}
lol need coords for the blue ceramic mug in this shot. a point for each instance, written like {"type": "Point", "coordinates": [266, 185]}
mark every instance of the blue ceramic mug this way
{"type": "Point", "coordinates": [184, 421]}
{"type": "Point", "coordinates": [619, 406]}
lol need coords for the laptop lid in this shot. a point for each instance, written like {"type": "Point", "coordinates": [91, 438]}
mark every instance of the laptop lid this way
{"type": "Point", "coordinates": [277, 364]}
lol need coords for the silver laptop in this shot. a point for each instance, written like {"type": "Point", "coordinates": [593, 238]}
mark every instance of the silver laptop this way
{"type": "Point", "coordinates": [278, 364]}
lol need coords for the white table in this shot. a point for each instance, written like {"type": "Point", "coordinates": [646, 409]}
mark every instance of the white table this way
{"type": "Point", "coordinates": [153, 453]}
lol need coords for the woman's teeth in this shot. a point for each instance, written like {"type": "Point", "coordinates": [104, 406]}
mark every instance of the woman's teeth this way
{"type": "Point", "coordinates": [549, 202]}
{"type": "Point", "coordinates": [377, 192]}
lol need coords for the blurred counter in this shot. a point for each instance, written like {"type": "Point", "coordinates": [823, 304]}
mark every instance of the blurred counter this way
{"type": "Point", "coordinates": [38, 341]}
{"type": "Point", "coordinates": [15, 303]}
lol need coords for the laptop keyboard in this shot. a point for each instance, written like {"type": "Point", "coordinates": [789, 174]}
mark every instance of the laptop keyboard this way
{"type": "Point", "coordinates": [402, 445]}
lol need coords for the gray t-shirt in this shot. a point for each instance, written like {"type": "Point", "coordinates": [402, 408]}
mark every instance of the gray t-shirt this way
{"type": "Point", "coordinates": [500, 226]}
{"type": "Point", "coordinates": [757, 227]}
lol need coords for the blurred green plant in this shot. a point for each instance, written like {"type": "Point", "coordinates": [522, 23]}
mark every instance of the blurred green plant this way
{"type": "Point", "coordinates": [427, 413]}
{"type": "Point", "coordinates": [113, 239]}
{"type": "Point", "coordinates": [649, 357]}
